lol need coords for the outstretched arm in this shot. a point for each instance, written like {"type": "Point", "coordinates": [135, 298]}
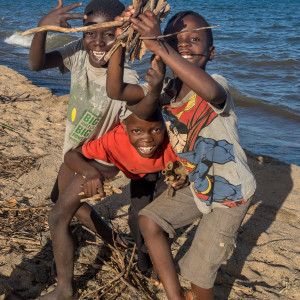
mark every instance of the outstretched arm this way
{"type": "Point", "coordinates": [93, 183]}
{"type": "Point", "coordinates": [193, 76]}
{"type": "Point", "coordinates": [38, 58]}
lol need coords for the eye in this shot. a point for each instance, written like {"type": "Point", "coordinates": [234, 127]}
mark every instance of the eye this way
{"type": "Point", "coordinates": [156, 130]}
{"type": "Point", "coordinates": [195, 39]}
{"type": "Point", "coordinates": [136, 131]}
{"type": "Point", "coordinates": [88, 33]}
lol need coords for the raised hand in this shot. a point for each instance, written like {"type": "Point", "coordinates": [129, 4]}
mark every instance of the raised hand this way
{"type": "Point", "coordinates": [147, 25]}
{"type": "Point", "coordinates": [155, 75]}
{"type": "Point", "coordinates": [60, 15]}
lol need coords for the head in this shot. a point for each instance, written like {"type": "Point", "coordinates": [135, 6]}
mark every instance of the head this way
{"type": "Point", "coordinates": [145, 135]}
{"type": "Point", "coordinates": [99, 41]}
{"type": "Point", "coordinates": [195, 46]}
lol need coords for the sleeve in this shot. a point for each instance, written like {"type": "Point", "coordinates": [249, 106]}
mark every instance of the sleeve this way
{"type": "Point", "coordinates": [97, 149]}
{"type": "Point", "coordinates": [229, 106]}
{"type": "Point", "coordinates": [68, 53]}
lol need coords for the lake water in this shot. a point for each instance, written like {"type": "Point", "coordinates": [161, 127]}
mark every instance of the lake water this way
{"type": "Point", "coordinates": [257, 51]}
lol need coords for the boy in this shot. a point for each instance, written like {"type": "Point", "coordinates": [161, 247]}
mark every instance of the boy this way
{"type": "Point", "coordinates": [136, 147]}
{"type": "Point", "coordinates": [91, 113]}
{"type": "Point", "coordinates": [202, 127]}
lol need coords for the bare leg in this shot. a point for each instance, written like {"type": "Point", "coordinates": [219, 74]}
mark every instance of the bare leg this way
{"type": "Point", "coordinates": [201, 293]}
{"type": "Point", "coordinates": [85, 213]}
{"type": "Point", "coordinates": [62, 240]}
{"type": "Point", "coordinates": [162, 259]}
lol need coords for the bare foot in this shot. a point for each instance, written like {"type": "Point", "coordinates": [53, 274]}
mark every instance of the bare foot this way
{"type": "Point", "coordinates": [121, 242]}
{"type": "Point", "coordinates": [154, 278]}
{"type": "Point", "coordinates": [188, 294]}
{"type": "Point", "coordinates": [58, 294]}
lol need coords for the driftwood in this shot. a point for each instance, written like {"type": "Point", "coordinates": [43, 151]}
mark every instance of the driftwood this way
{"type": "Point", "coordinates": [72, 30]}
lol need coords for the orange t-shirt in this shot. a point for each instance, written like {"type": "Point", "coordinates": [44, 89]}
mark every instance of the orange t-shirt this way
{"type": "Point", "coordinates": [114, 147]}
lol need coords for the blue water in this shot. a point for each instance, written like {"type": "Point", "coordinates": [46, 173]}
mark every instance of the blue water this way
{"type": "Point", "coordinates": [257, 50]}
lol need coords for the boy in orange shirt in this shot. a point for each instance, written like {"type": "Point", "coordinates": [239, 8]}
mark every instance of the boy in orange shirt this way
{"type": "Point", "coordinates": [136, 147]}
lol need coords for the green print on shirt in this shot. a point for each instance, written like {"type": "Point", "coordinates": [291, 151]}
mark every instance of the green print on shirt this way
{"type": "Point", "coordinates": [84, 127]}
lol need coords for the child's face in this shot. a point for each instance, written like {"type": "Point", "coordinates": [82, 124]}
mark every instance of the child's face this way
{"type": "Point", "coordinates": [99, 41]}
{"type": "Point", "coordinates": [192, 45]}
{"type": "Point", "coordinates": [144, 136]}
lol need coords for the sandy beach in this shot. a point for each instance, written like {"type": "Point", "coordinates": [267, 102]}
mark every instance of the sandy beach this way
{"type": "Point", "coordinates": [264, 265]}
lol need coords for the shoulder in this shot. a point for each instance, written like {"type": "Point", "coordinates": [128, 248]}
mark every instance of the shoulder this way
{"type": "Point", "coordinates": [71, 48]}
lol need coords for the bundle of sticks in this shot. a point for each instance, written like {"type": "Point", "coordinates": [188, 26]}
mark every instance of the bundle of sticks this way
{"type": "Point", "coordinates": [129, 38]}
{"type": "Point", "coordinates": [173, 172]}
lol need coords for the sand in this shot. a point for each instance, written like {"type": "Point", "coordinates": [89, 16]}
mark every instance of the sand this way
{"type": "Point", "coordinates": [264, 265]}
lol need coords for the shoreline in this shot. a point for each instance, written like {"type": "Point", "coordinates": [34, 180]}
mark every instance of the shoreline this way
{"type": "Point", "coordinates": [265, 264]}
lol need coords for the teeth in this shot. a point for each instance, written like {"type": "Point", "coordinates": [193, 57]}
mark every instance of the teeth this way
{"type": "Point", "coordinates": [99, 54]}
{"type": "Point", "coordinates": [146, 149]}
{"type": "Point", "coordinates": [187, 56]}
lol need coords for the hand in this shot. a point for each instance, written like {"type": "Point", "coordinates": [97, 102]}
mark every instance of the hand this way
{"type": "Point", "coordinates": [181, 183]}
{"type": "Point", "coordinates": [59, 15]}
{"type": "Point", "coordinates": [155, 75]}
{"type": "Point", "coordinates": [93, 184]}
{"type": "Point", "coordinates": [147, 25]}
{"type": "Point", "coordinates": [126, 14]}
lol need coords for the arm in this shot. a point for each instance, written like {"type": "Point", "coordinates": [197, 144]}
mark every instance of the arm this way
{"type": "Point", "coordinates": [149, 103]}
{"type": "Point", "coordinates": [193, 76]}
{"type": "Point", "coordinates": [38, 58]}
{"type": "Point", "coordinates": [115, 86]}
{"type": "Point", "coordinates": [93, 183]}
{"type": "Point", "coordinates": [139, 103]}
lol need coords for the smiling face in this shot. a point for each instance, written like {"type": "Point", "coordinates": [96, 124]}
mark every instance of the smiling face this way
{"type": "Point", "coordinates": [194, 46]}
{"type": "Point", "coordinates": [145, 136]}
{"type": "Point", "coordinates": [99, 41]}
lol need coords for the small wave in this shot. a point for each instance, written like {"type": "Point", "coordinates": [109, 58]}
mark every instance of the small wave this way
{"type": "Point", "coordinates": [17, 39]}
{"type": "Point", "coordinates": [279, 110]}
{"type": "Point", "coordinates": [53, 40]}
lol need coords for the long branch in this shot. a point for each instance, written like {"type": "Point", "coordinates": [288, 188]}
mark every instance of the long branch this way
{"type": "Point", "coordinates": [77, 29]}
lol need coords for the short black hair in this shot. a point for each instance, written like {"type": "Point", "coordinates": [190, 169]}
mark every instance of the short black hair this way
{"type": "Point", "coordinates": [182, 14]}
{"type": "Point", "coordinates": [109, 8]}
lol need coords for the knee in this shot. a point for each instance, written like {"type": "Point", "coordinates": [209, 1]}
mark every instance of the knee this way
{"type": "Point", "coordinates": [55, 218]}
{"type": "Point", "coordinates": [148, 227]}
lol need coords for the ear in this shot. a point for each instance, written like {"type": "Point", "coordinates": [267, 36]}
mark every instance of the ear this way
{"type": "Point", "coordinates": [211, 52]}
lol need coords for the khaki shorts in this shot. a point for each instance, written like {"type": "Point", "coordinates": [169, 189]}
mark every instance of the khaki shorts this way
{"type": "Point", "coordinates": [214, 239]}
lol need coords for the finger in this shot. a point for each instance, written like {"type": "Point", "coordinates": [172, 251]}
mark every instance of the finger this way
{"type": "Point", "coordinates": [101, 189]}
{"type": "Point", "coordinates": [71, 6]}
{"type": "Point", "coordinates": [72, 16]}
{"type": "Point", "coordinates": [59, 5]}
{"type": "Point", "coordinates": [94, 187]}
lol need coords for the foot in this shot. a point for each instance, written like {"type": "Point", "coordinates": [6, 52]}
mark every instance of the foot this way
{"type": "Point", "coordinates": [153, 276]}
{"type": "Point", "coordinates": [188, 294]}
{"type": "Point", "coordinates": [121, 242]}
{"type": "Point", "coordinates": [58, 294]}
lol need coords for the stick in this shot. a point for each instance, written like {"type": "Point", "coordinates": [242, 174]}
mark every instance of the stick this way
{"type": "Point", "coordinates": [161, 37]}
{"type": "Point", "coordinates": [78, 29]}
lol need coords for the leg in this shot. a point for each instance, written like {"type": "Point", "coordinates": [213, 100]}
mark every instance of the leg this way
{"type": "Point", "coordinates": [212, 245]}
{"type": "Point", "coordinates": [160, 252]}
{"type": "Point", "coordinates": [141, 192]}
{"type": "Point", "coordinates": [62, 240]}
{"type": "Point", "coordinates": [85, 213]}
